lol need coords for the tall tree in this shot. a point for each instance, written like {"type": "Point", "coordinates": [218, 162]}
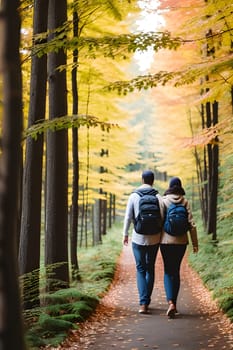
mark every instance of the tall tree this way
{"type": "Point", "coordinates": [32, 176]}
{"type": "Point", "coordinates": [11, 330]}
{"type": "Point", "coordinates": [213, 178]}
{"type": "Point", "coordinates": [211, 152]}
{"type": "Point", "coordinates": [75, 159]}
{"type": "Point", "coordinates": [56, 245]}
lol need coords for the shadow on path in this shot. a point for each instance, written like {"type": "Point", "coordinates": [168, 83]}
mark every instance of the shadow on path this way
{"type": "Point", "coordinates": [117, 324]}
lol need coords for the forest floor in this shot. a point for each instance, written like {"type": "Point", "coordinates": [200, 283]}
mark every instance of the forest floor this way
{"type": "Point", "coordinates": [116, 324]}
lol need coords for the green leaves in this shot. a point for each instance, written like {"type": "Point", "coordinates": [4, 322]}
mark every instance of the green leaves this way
{"type": "Point", "coordinates": [112, 46]}
{"type": "Point", "coordinates": [108, 45]}
{"type": "Point", "coordinates": [65, 123]}
{"type": "Point", "coordinates": [216, 69]}
{"type": "Point", "coordinates": [142, 82]}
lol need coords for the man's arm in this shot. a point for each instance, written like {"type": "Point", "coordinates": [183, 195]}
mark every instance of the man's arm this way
{"type": "Point", "coordinates": [128, 219]}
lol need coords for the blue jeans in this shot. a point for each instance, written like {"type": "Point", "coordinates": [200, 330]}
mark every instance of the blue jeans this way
{"type": "Point", "coordinates": [145, 264]}
{"type": "Point", "coordinates": [172, 255]}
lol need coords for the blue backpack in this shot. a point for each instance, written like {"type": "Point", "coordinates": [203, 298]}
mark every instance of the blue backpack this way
{"type": "Point", "coordinates": [148, 221]}
{"type": "Point", "coordinates": [176, 220]}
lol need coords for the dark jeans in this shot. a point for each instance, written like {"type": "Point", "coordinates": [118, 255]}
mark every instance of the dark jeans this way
{"type": "Point", "coordinates": [172, 255]}
{"type": "Point", "coordinates": [145, 264]}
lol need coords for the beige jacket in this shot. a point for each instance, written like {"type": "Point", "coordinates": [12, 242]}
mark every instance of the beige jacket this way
{"type": "Point", "coordinates": [184, 239]}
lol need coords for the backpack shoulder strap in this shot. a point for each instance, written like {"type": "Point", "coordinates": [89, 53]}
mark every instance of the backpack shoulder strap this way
{"type": "Point", "coordinates": [144, 191]}
{"type": "Point", "coordinates": [140, 195]}
{"type": "Point", "coordinates": [138, 192]}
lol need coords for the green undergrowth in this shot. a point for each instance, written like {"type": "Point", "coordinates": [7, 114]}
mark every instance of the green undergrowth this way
{"type": "Point", "coordinates": [66, 308]}
{"type": "Point", "coordinates": [214, 264]}
{"type": "Point", "coordinates": [63, 310]}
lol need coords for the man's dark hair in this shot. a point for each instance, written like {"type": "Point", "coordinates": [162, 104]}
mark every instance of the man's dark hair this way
{"type": "Point", "coordinates": [148, 177]}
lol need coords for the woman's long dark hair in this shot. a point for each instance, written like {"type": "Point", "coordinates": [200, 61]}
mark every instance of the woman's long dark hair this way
{"type": "Point", "coordinates": [175, 187]}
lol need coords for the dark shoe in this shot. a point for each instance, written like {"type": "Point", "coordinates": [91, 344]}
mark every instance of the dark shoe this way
{"type": "Point", "coordinates": [171, 311]}
{"type": "Point", "coordinates": [143, 309]}
{"type": "Point", "coordinates": [176, 311]}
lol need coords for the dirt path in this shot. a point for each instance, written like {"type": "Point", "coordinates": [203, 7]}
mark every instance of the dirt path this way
{"type": "Point", "coordinates": [117, 324]}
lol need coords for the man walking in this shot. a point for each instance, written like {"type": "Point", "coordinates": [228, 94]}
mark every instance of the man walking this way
{"type": "Point", "coordinates": [145, 210]}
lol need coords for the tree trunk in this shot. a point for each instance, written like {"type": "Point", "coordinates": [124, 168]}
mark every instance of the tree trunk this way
{"type": "Point", "coordinates": [11, 327]}
{"type": "Point", "coordinates": [110, 211]}
{"type": "Point", "coordinates": [96, 223]}
{"type": "Point", "coordinates": [204, 177]}
{"type": "Point", "coordinates": [232, 99]}
{"type": "Point", "coordinates": [75, 182]}
{"type": "Point", "coordinates": [56, 245]}
{"type": "Point", "coordinates": [103, 205]}
{"type": "Point", "coordinates": [114, 208]}
{"type": "Point", "coordinates": [32, 177]}
{"type": "Point", "coordinates": [213, 186]}
{"type": "Point", "coordinates": [212, 151]}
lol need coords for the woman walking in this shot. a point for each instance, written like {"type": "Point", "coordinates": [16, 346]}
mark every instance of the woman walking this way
{"type": "Point", "coordinates": [173, 245]}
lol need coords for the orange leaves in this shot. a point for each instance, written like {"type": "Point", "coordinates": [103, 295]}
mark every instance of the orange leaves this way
{"type": "Point", "coordinates": [209, 135]}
